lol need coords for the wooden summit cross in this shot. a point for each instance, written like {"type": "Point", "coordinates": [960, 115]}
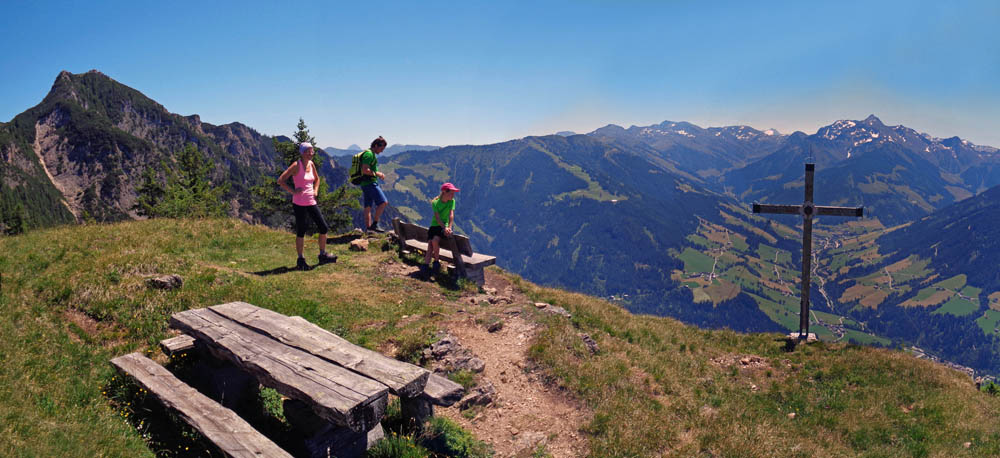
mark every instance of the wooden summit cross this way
{"type": "Point", "coordinates": [808, 209]}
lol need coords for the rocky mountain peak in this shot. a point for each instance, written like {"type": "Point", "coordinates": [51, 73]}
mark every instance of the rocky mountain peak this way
{"type": "Point", "coordinates": [873, 121]}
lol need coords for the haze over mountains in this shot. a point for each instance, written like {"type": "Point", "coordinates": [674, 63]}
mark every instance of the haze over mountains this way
{"type": "Point", "coordinates": [389, 151]}
{"type": "Point", "coordinates": [654, 216]}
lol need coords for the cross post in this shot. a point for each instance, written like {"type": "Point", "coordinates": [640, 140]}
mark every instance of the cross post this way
{"type": "Point", "coordinates": [808, 209]}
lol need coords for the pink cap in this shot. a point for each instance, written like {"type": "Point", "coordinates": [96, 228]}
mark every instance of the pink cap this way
{"type": "Point", "coordinates": [449, 187]}
{"type": "Point", "coordinates": [304, 146]}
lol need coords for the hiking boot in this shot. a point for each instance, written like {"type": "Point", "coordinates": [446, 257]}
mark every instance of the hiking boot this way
{"type": "Point", "coordinates": [425, 271]}
{"type": "Point", "coordinates": [374, 228]}
{"type": "Point", "coordinates": [436, 267]}
{"type": "Point", "coordinates": [301, 264]}
{"type": "Point", "coordinates": [326, 258]}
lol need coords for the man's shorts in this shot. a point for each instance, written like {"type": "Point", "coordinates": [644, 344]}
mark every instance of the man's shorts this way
{"type": "Point", "coordinates": [373, 196]}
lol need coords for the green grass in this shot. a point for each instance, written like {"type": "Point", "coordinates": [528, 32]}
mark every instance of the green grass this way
{"type": "Point", "coordinates": [739, 243]}
{"type": "Point", "coordinates": [864, 338]}
{"type": "Point", "coordinates": [988, 322]}
{"type": "Point", "coordinates": [766, 254]}
{"type": "Point", "coordinates": [778, 313]}
{"type": "Point", "coordinates": [971, 291]}
{"type": "Point", "coordinates": [924, 293]}
{"type": "Point", "coordinates": [696, 261]}
{"type": "Point", "coordinates": [954, 283]}
{"type": "Point", "coordinates": [699, 240]}
{"type": "Point", "coordinates": [74, 297]}
{"type": "Point", "coordinates": [917, 270]}
{"type": "Point", "coordinates": [78, 298]}
{"type": "Point", "coordinates": [848, 400]}
{"type": "Point", "coordinates": [958, 307]}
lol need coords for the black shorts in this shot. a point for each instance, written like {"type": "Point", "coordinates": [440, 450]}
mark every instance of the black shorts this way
{"type": "Point", "coordinates": [434, 231]}
{"type": "Point", "coordinates": [312, 212]}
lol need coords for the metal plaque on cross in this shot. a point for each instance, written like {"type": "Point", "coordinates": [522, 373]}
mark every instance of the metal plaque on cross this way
{"type": "Point", "coordinates": [807, 210]}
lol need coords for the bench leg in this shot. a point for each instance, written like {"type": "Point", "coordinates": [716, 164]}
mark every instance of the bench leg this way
{"type": "Point", "coordinates": [476, 275]}
{"type": "Point", "coordinates": [223, 382]}
{"type": "Point", "coordinates": [324, 439]}
{"type": "Point", "coordinates": [416, 411]}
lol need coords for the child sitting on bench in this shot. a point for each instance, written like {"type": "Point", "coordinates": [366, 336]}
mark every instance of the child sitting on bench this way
{"type": "Point", "coordinates": [441, 224]}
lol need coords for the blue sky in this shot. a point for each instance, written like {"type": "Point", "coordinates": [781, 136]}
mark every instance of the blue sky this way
{"type": "Point", "coordinates": [447, 73]}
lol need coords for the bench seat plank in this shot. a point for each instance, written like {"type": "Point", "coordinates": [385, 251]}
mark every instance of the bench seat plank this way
{"type": "Point", "coordinates": [403, 379]}
{"type": "Point", "coordinates": [177, 344]}
{"type": "Point", "coordinates": [476, 261]}
{"type": "Point", "coordinates": [441, 391]}
{"type": "Point", "coordinates": [335, 393]}
{"type": "Point", "coordinates": [234, 436]}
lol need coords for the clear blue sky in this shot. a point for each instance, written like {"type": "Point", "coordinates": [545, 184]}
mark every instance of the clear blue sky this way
{"type": "Point", "coordinates": [481, 72]}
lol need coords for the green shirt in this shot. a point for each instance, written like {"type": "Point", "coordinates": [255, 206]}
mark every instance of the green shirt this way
{"type": "Point", "coordinates": [443, 211]}
{"type": "Point", "coordinates": [368, 157]}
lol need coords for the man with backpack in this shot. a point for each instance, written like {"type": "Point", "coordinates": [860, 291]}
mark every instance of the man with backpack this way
{"type": "Point", "coordinates": [364, 173]}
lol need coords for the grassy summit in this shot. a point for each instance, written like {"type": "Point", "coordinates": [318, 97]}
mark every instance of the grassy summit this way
{"type": "Point", "coordinates": [74, 297]}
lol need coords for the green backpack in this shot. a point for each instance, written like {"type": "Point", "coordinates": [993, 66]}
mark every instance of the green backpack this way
{"type": "Point", "coordinates": [355, 172]}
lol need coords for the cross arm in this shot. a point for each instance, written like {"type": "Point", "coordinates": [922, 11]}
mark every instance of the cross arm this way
{"type": "Point", "coordinates": [840, 211]}
{"type": "Point", "coordinates": [780, 209]}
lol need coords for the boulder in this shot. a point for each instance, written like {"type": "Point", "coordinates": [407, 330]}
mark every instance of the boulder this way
{"type": "Point", "coordinates": [359, 245]}
{"type": "Point", "coordinates": [557, 310]}
{"type": "Point", "coordinates": [590, 343]}
{"type": "Point", "coordinates": [480, 396]}
{"type": "Point", "coordinates": [166, 282]}
{"type": "Point", "coordinates": [449, 356]}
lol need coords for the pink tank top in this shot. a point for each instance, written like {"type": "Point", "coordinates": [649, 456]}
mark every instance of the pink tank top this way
{"type": "Point", "coordinates": [305, 179]}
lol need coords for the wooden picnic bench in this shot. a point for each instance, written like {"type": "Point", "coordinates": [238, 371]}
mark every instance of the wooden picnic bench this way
{"type": "Point", "coordinates": [467, 263]}
{"type": "Point", "coordinates": [340, 389]}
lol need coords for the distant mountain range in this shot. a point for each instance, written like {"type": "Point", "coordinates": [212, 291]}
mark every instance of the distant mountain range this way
{"type": "Point", "coordinates": [389, 151]}
{"type": "Point", "coordinates": [654, 217]}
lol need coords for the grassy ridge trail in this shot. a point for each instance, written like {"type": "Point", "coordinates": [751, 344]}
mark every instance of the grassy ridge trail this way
{"type": "Point", "coordinates": [73, 297]}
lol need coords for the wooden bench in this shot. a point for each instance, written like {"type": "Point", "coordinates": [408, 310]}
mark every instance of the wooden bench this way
{"type": "Point", "coordinates": [468, 264]}
{"type": "Point", "coordinates": [234, 436]}
{"type": "Point", "coordinates": [337, 389]}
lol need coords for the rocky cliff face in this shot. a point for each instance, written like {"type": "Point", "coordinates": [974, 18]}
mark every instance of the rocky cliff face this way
{"type": "Point", "coordinates": [87, 143]}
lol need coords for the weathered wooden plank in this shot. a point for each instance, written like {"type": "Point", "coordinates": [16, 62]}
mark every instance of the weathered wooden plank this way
{"type": "Point", "coordinates": [840, 211]}
{"type": "Point", "coordinates": [414, 236]}
{"type": "Point", "coordinates": [441, 391]}
{"type": "Point", "coordinates": [177, 344]}
{"type": "Point", "coordinates": [416, 411]}
{"type": "Point", "coordinates": [323, 439]}
{"type": "Point", "coordinates": [337, 394]}
{"type": "Point", "coordinates": [234, 436]}
{"type": "Point", "coordinates": [779, 209]}
{"type": "Point", "coordinates": [403, 379]}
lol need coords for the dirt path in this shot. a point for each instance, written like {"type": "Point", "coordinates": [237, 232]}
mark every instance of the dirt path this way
{"type": "Point", "coordinates": [527, 413]}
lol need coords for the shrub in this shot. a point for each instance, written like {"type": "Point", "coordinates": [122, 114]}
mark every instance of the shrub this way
{"type": "Point", "coordinates": [445, 437]}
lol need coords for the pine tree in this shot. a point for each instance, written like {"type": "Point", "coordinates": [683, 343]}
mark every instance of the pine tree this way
{"type": "Point", "coordinates": [12, 218]}
{"type": "Point", "coordinates": [188, 192]}
{"type": "Point", "coordinates": [149, 193]}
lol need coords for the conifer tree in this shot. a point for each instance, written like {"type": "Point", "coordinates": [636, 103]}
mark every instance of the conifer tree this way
{"type": "Point", "coordinates": [12, 218]}
{"type": "Point", "coordinates": [188, 192]}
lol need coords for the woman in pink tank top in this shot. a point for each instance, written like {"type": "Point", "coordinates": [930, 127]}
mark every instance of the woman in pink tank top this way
{"type": "Point", "coordinates": [306, 179]}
